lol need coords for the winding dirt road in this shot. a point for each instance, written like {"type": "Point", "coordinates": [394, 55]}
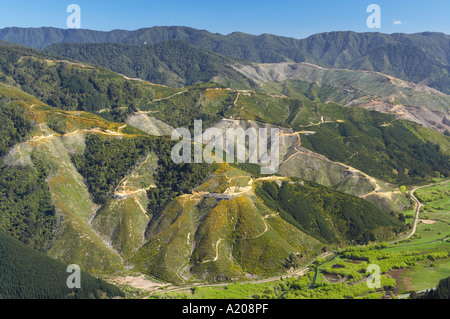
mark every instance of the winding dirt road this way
{"type": "Point", "coordinates": [417, 211]}
{"type": "Point", "coordinates": [416, 215]}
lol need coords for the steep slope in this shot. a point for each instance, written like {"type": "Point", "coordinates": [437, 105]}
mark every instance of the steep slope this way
{"type": "Point", "coordinates": [326, 214]}
{"type": "Point", "coordinates": [47, 281]}
{"type": "Point", "coordinates": [71, 85]}
{"type": "Point", "coordinates": [74, 240]}
{"type": "Point", "coordinates": [366, 140]}
{"type": "Point", "coordinates": [333, 48]}
{"type": "Point", "coordinates": [179, 108]}
{"type": "Point", "coordinates": [298, 161]}
{"type": "Point", "coordinates": [419, 66]}
{"type": "Point", "coordinates": [220, 231]}
{"type": "Point", "coordinates": [367, 84]}
{"type": "Point", "coordinates": [172, 63]}
{"type": "Point", "coordinates": [371, 90]}
{"type": "Point", "coordinates": [42, 37]}
{"type": "Point", "coordinates": [149, 124]}
{"type": "Point", "coordinates": [225, 230]}
{"type": "Point", "coordinates": [421, 57]}
{"type": "Point", "coordinates": [116, 98]}
{"type": "Point", "coordinates": [124, 217]}
{"type": "Point", "coordinates": [22, 188]}
{"type": "Point", "coordinates": [121, 202]}
{"type": "Point", "coordinates": [132, 178]}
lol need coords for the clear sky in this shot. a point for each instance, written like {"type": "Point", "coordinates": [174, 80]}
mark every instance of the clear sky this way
{"type": "Point", "coordinates": [293, 18]}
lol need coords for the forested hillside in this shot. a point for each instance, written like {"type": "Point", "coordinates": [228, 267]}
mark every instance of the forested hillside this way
{"type": "Point", "coordinates": [172, 63]}
{"type": "Point", "coordinates": [15, 126]}
{"type": "Point", "coordinates": [26, 208]}
{"type": "Point", "coordinates": [386, 148]}
{"type": "Point", "coordinates": [326, 214]}
{"type": "Point", "coordinates": [71, 85]}
{"type": "Point", "coordinates": [421, 57]}
{"type": "Point", "coordinates": [28, 274]}
{"type": "Point", "coordinates": [376, 143]}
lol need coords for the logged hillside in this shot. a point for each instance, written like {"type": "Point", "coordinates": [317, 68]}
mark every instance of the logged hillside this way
{"type": "Point", "coordinates": [107, 154]}
{"type": "Point", "coordinates": [378, 147]}
{"type": "Point", "coordinates": [124, 99]}
{"type": "Point", "coordinates": [413, 94]}
{"type": "Point", "coordinates": [220, 231]}
{"type": "Point", "coordinates": [121, 202]}
{"type": "Point", "coordinates": [375, 143]}
{"type": "Point", "coordinates": [230, 227]}
{"type": "Point", "coordinates": [367, 89]}
{"type": "Point", "coordinates": [405, 61]}
{"type": "Point", "coordinates": [298, 161]}
{"type": "Point", "coordinates": [421, 57]}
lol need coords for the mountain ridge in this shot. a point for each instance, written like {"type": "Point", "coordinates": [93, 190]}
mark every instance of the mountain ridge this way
{"type": "Point", "coordinates": [174, 62]}
{"type": "Point", "coordinates": [342, 49]}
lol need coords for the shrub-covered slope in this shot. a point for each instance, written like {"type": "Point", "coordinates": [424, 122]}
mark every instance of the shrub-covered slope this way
{"type": "Point", "coordinates": [220, 231]}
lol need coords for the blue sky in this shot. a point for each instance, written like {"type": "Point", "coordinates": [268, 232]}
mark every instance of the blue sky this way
{"type": "Point", "coordinates": [293, 18]}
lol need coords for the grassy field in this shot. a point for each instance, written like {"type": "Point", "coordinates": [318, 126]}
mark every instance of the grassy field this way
{"type": "Point", "coordinates": [433, 228]}
{"type": "Point", "coordinates": [436, 200]}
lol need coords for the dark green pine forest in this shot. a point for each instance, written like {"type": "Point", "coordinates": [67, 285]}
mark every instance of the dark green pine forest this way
{"type": "Point", "coordinates": [29, 274]}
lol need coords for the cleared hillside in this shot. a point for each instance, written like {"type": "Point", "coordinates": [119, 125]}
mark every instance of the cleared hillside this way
{"type": "Point", "coordinates": [420, 57]}
{"type": "Point", "coordinates": [370, 90]}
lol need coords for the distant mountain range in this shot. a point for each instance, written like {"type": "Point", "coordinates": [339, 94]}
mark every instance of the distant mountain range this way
{"type": "Point", "coordinates": [420, 58]}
